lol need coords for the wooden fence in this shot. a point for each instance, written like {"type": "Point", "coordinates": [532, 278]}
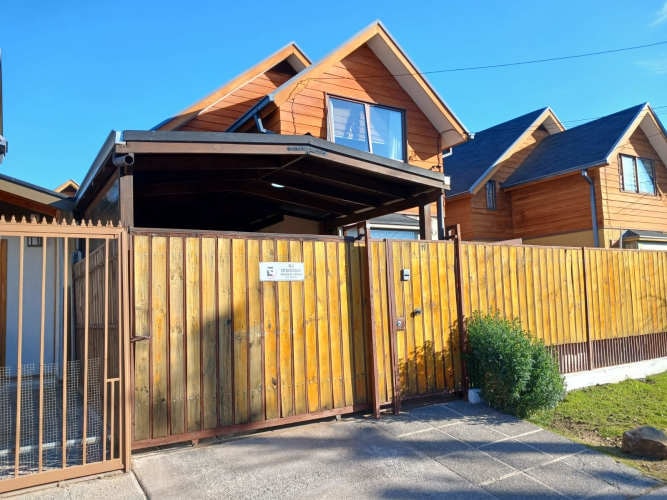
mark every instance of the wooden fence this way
{"type": "Point", "coordinates": [596, 307]}
{"type": "Point", "coordinates": [371, 322]}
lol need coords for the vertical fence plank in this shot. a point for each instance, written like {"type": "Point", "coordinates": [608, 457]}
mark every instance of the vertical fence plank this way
{"type": "Point", "coordinates": [286, 338]}
{"type": "Point", "coordinates": [335, 323]}
{"type": "Point", "coordinates": [193, 332]}
{"type": "Point", "coordinates": [271, 332]}
{"type": "Point", "coordinates": [158, 344]}
{"type": "Point", "coordinates": [226, 345]}
{"type": "Point", "coordinates": [177, 363]}
{"type": "Point", "coordinates": [296, 311]}
{"type": "Point", "coordinates": [141, 328]}
{"type": "Point", "coordinates": [255, 340]}
{"type": "Point", "coordinates": [209, 348]}
{"type": "Point", "coordinates": [240, 332]}
{"type": "Point", "coordinates": [324, 376]}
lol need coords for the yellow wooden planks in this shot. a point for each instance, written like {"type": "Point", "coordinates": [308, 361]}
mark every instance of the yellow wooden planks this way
{"type": "Point", "coordinates": [225, 320]}
{"type": "Point", "coordinates": [193, 333]}
{"type": "Point", "coordinates": [271, 332]}
{"type": "Point", "coordinates": [209, 348]}
{"type": "Point", "coordinates": [142, 412]}
{"type": "Point", "coordinates": [177, 393]}
{"type": "Point", "coordinates": [286, 338]}
{"type": "Point", "coordinates": [158, 293]}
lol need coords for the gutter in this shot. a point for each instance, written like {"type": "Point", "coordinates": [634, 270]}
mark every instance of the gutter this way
{"type": "Point", "coordinates": [100, 160]}
{"type": "Point", "coordinates": [594, 208]}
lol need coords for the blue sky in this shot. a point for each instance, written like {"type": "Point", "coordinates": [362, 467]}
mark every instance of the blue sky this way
{"type": "Point", "coordinates": [74, 70]}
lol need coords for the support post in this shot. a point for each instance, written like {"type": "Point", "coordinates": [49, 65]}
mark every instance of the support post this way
{"type": "Point", "coordinates": [124, 309]}
{"type": "Point", "coordinates": [425, 222]}
{"type": "Point", "coordinates": [393, 328]}
{"type": "Point", "coordinates": [126, 189]}
{"type": "Point", "coordinates": [440, 211]}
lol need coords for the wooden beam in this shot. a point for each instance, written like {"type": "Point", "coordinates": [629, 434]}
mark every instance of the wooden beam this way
{"type": "Point", "coordinates": [425, 222]}
{"type": "Point", "coordinates": [384, 209]}
{"type": "Point", "coordinates": [31, 205]}
{"type": "Point", "coordinates": [126, 195]}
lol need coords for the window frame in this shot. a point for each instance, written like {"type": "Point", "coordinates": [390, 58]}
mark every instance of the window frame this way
{"type": "Point", "coordinates": [367, 113]}
{"type": "Point", "coordinates": [491, 195]}
{"type": "Point", "coordinates": [634, 159]}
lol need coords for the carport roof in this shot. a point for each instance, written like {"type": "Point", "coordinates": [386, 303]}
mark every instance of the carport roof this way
{"type": "Point", "coordinates": [276, 174]}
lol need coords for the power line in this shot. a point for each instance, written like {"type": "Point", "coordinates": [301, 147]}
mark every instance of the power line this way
{"type": "Point", "coordinates": [548, 59]}
{"type": "Point", "coordinates": [505, 65]}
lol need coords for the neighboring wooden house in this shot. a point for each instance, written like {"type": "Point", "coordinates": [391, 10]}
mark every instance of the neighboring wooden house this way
{"type": "Point", "coordinates": [366, 99]}
{"type": "Point", "coordinates": [585, 186]}
{"type": "Point", "coordinates": [479, 167]}
{"type": "Point", "coordinates": [19, 199]}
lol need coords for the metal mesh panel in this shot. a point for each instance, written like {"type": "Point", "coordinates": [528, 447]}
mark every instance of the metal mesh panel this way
{"type": "Point", "coordinates": [52, 418]}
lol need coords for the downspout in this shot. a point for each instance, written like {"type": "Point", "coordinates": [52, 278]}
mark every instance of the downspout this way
{"type": "Point", "coordinates": [594, 208]}
{"type": "Point", "coordinates": [260, 125]}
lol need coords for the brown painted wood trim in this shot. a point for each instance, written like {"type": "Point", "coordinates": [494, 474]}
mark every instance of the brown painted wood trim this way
{"type": "Point", "coordinates": [3, 301]}
{"type": "Point", "coordinates": [28, 204]}
{"type": "Point", "coordinates": [240, 428]}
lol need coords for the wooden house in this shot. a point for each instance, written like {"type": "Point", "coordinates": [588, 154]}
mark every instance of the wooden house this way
{"type": "Point", "coordinates": [288, 146]}
{"type": "Point", "coordinates": [585, 186]}
{"type": "Point", "coordinates": [21, 200]}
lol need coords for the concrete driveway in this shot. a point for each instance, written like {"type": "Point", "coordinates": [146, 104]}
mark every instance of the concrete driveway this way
{"type": "Point", "coordinates": [448, 450]}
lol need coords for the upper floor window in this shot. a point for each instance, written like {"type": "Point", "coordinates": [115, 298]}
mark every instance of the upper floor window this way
{"type": "Point", "coordinates": [491, 195]}
{"type": "Point", "coordinates": [368, 127]}
{"type": "Point", "coordinates": [637, 175]}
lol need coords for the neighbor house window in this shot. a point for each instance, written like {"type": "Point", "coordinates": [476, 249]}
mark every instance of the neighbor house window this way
{"type": "Point", "coordinates": [637, 175]}
{"type": "Point", "coordinates": [491, 195]}
{"type": "Point", "coordinates": [367, 127]}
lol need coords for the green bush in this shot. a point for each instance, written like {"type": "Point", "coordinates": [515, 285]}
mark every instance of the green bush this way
{"type": "Point", "coordinates": [514, 372]}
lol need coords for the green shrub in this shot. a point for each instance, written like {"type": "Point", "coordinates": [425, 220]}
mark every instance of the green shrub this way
{"type": "Point", "coordinates": [515, 372]}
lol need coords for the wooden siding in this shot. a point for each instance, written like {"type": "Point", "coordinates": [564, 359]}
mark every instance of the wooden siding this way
{"type": "Point", "coordinates": [219, 116]}
{"type": "Point", "coordinates": [556, 206]}
{"type": "Point", "coordinates": [458, 211]}
{"type": "Point", "coordinates": [360, 76]}
{"type": "Point", "coordinates": [623, 210]}
{"type": "Point", "coordinates": [226, 349]}
{"type": "Point", "coordinates": [496, 224]}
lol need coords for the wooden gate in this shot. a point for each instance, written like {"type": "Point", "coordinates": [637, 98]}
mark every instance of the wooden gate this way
{"type": "Point", "coordinates": [218, 351]}
{"type": "Point", "coordinates": [414, 309]}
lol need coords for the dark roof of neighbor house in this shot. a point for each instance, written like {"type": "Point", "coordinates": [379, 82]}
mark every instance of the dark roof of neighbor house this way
{"type": "Point", "coordinates": [396, 220]}
{"type": "Point", "coordinates": [581, 147]}
{"type": "Point", "coordinates": [644, 234]}
{"type": "Point", "coordinates": [472, 159]}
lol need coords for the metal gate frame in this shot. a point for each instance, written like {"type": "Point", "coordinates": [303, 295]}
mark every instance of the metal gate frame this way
{"type": "Point", "coordinates": [118, 453]}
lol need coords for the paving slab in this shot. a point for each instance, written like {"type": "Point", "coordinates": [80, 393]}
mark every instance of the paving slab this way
{"type": "Point", "coordinates": [113, 485]}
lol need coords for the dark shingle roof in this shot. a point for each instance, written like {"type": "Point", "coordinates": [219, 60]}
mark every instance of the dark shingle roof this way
{"type": "Point", "coordinates": [473, 158]}
{"type": "Point", "coordinates": [587, 145]}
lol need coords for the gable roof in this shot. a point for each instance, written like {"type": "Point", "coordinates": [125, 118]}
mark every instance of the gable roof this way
{"type": "Point", "coordinates": [585, 146]}
{"type": "Point", "coordinates": [291, 54]}
{"type": "Point", "coordinates": [473, 161]}
{"type": "Point", "coordinates": [32, 197]}
{"type": "Point", "coordinates": [378, 39]}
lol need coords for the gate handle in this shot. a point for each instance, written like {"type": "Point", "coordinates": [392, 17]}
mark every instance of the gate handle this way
{"type": "Point", "coordinates": [139, 338]}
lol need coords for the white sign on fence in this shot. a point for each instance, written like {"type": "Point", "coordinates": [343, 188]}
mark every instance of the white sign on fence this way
{"type": "Point", "coordinates": [281, 271]}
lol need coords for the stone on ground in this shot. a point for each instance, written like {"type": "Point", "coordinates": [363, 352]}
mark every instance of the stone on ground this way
{"type": "Point", "coordinates": [645, 441]}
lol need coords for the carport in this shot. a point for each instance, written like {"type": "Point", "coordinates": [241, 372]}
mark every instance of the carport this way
{"type": "Point", "coordinates": [249, 182]}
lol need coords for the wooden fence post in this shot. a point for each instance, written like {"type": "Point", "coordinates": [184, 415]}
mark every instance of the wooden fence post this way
{"type": "Point", "coordinates": [454, 233]}
{"type": "Point", "coordinates": [370, 275]}
{"type": "Point", "coordinates": [589, 344]}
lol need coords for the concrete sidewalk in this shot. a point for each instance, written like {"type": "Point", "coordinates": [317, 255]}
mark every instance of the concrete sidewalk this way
{"type": "Point", "coordinates": [447, 450]}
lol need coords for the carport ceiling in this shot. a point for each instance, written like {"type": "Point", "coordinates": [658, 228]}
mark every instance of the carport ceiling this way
{"type": "Point", "coordinates": [258, 178]}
